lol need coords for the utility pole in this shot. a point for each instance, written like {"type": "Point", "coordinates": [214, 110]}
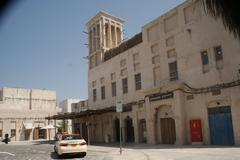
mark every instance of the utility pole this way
{"type": "Point", "coordinates": [119, 109]}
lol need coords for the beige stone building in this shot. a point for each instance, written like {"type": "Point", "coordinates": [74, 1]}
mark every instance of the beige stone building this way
{"type": "Point", "coordinates": [23, 113]}
{"type": "Point", "coordinates": [68, 106]}
{"type": "Point", "coordinates": [178, 80]}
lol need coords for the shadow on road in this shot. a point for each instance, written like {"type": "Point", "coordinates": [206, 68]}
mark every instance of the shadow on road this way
{"type": "Point", "coordinates": [43, 142]}
{"type": "Point", "coordinates": [71, 156]}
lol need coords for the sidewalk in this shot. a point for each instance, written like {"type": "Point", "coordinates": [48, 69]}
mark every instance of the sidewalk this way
{"type": "Point", "coordinates": [167, 152]}
{"type": "Point", "coordinates": [113, 153]}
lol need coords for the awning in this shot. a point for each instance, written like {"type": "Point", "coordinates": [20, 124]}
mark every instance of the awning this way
{"type": "Point", "coordinates": [28, 126]}
{"type": "Point", "coordinates": [48, 127]}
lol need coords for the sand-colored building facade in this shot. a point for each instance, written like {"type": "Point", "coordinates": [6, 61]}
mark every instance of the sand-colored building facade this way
{"type": "Point", "coordinates": [178, 80]}
{"type": "Point", "coordinates": [23, 113]}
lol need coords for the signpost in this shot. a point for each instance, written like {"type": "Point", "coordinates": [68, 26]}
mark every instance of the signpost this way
{"type": "Point", "coordinates": [119, 109]}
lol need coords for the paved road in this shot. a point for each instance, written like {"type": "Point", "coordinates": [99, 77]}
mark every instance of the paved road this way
{"type": "Point", "coordinates": [39, 151]}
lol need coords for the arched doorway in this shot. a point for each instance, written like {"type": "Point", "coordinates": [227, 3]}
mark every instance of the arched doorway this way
{"type": "Point", "coordinates": [117, 129]}
{"type": "Point", "coordinates": [129, 130]}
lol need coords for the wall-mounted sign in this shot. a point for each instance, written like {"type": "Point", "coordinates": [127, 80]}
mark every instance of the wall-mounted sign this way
{"type": "Point", "coordinates": [119, 107]}
{"type": "Point", "coordinates": [160, 96]}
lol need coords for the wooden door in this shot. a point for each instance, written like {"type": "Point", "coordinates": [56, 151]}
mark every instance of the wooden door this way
{"type": "Point", "coordinates": [168, 130]}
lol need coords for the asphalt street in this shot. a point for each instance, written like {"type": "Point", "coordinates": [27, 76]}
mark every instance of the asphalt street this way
{"type": "Point", "coordinates": [39, 152]}
{"type": "Point", "coordinates": [44, 151]}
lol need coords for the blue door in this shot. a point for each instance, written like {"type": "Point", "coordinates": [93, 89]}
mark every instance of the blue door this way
{"type": "Point", "coordinates": [220, 123]}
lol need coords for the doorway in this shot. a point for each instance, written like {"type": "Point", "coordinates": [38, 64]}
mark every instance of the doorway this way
{"type": "Point", "coordinates": [27, 134]}
{"type": "Point", "coordinates": [129, 129]}
{"type": "Point", "coordinates": [84, 131]}
{"type": "Point", "coordinates": [142, 131]}
{"type": "Point", "coordinates": [117, 129]}
{"type": "Point", "coordinates": [168, 130]}
{"type": "Point", "coordinates": [220, 124]}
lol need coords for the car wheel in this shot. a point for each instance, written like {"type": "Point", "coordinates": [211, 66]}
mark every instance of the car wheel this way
{"type": "Point", "coordinates": [55, 149]}
{"type": "Point", "coordinates": [59, 156]}
{"type": "Point", "coordinates": [83, 154]}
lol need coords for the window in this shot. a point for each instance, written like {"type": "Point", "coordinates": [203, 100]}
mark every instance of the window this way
{"type": "Point", "coordinates": [123, 62]}
{"type": "Point", "coordinates": [124, 72]}
{"type": "Point", "coordinates": [171, 53]}
{"type": "Point", "coordinates": [94, 83]}
{"type": "Point", "coordinates": [156, 59]}
{"type": "Point", "coordinates": [204, 56]}
{"type": "Point", "coordinates": [171, 22]}
{"type": "Point", "coordinates": [125, 85]}
{"type": "Point", "coordinates": [94, 95]}
{"type": "Point", "coordinates": [102, 80]}
{"type": "Point", "coordinates": [138, 84]}
{"type": "Point", "coordinates": [113, 76]}
{"type": "Point", "coordinates": [136, 66]}
{"type": "Point", "coordinates": [170, 41]}
{"type": "Point", "coordinates": [114, 89]}
{"type": "Point", "coordinates": [218, 53]}
{"type": "Point", "coordinates": [219, 57]}
{"type": "Point", "coordinates": [154, 48]}
{"type": "Point", "coordinates": [173, 71]}
{"type": "Point", "coordinates": [156, 76]}
{"type": "Point", "coordinates": [153, 33]}
{"type": "Point", "coordinates": [103, 92]}
{"type": "Point", "coordinates": [205, 61]}
{"type": "Point", "coordinates": [135, 57]}
{"type": "Point", "coordinates": [13, 132]}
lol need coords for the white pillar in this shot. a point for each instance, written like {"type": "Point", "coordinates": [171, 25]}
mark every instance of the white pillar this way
{"type": "Point", "coordinates": [178, 107]}
{"type": "Point", "coordinates": [109, 35]}
{"type": "Point", "coordinates": [115, 32]}
{"type": "Point", "coordinates": [135, 123]}
{"type": "Point", "coordinates": [150, 123]}
{"type": "Point", "coordinates": [92, 40]}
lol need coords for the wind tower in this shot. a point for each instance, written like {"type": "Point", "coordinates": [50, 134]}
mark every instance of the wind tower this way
{"type": "Point", "coordinates": [104, 32]}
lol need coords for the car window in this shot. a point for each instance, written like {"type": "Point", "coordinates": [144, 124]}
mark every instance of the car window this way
{"type": "Point", "coordinates": [71, 137]}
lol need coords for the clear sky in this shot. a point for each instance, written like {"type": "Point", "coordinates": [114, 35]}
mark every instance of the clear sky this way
{"type": "Point", "coordinates": [42, 43]}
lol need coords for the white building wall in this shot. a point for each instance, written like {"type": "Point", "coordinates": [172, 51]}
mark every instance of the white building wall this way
{"type": "Point", "coordinates": [19, 106]}
{"type": "Point", "coordinates": [179, 35]}
{"type": "Point", "coordinates": [66, 106]}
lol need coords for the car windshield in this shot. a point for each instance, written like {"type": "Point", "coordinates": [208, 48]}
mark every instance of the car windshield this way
{"type": "Point", "coordinates": [71, 137]}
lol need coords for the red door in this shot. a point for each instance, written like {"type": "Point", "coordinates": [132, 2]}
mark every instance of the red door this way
{"type": "Point", "coordinates": [196, 130]}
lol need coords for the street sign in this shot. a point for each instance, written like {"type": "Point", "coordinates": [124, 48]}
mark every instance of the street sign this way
{"type": "Point", "coordinates": [119, 106]}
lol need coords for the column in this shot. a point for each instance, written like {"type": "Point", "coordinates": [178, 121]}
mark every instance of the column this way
{"type": "Point", "coordinates": [235, 109]}
{"type": "Point", "coordinates": [109, 35]}
{"type": "Point", "coordinates": [92, 39]}
{"type": "Point", "coordinates": [135, 123]}
{"type": "Point", "coordinates": [121, 34]}
{"type": "Point", "coordinates": [151, 139]}
{"type": "Point", "coordinates": [115, 32]}
{"type": "Point", "coordinates": [178, 108]}
{"type": "Point", "coordinates": [100, 34]}
{"type": "Point", "coordinates": [102, 24]}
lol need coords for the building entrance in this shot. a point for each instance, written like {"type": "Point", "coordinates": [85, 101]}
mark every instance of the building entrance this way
{"type": "Point", "coordinates": [129, 130]}
{"type": "Point", "coordinates": [220, 124]}
{"type": "Point", "coordinates": [142, 131]}
{"type": "Point", "coordinates": [117, 129]}
{"type": "Point", "coordinates": [168, 130]}
{"type": "Point", "coordinates": [84, 131]}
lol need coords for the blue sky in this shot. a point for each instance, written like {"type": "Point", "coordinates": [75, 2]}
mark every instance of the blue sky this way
{"type": "Point", "coordinates": [42, 43]}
